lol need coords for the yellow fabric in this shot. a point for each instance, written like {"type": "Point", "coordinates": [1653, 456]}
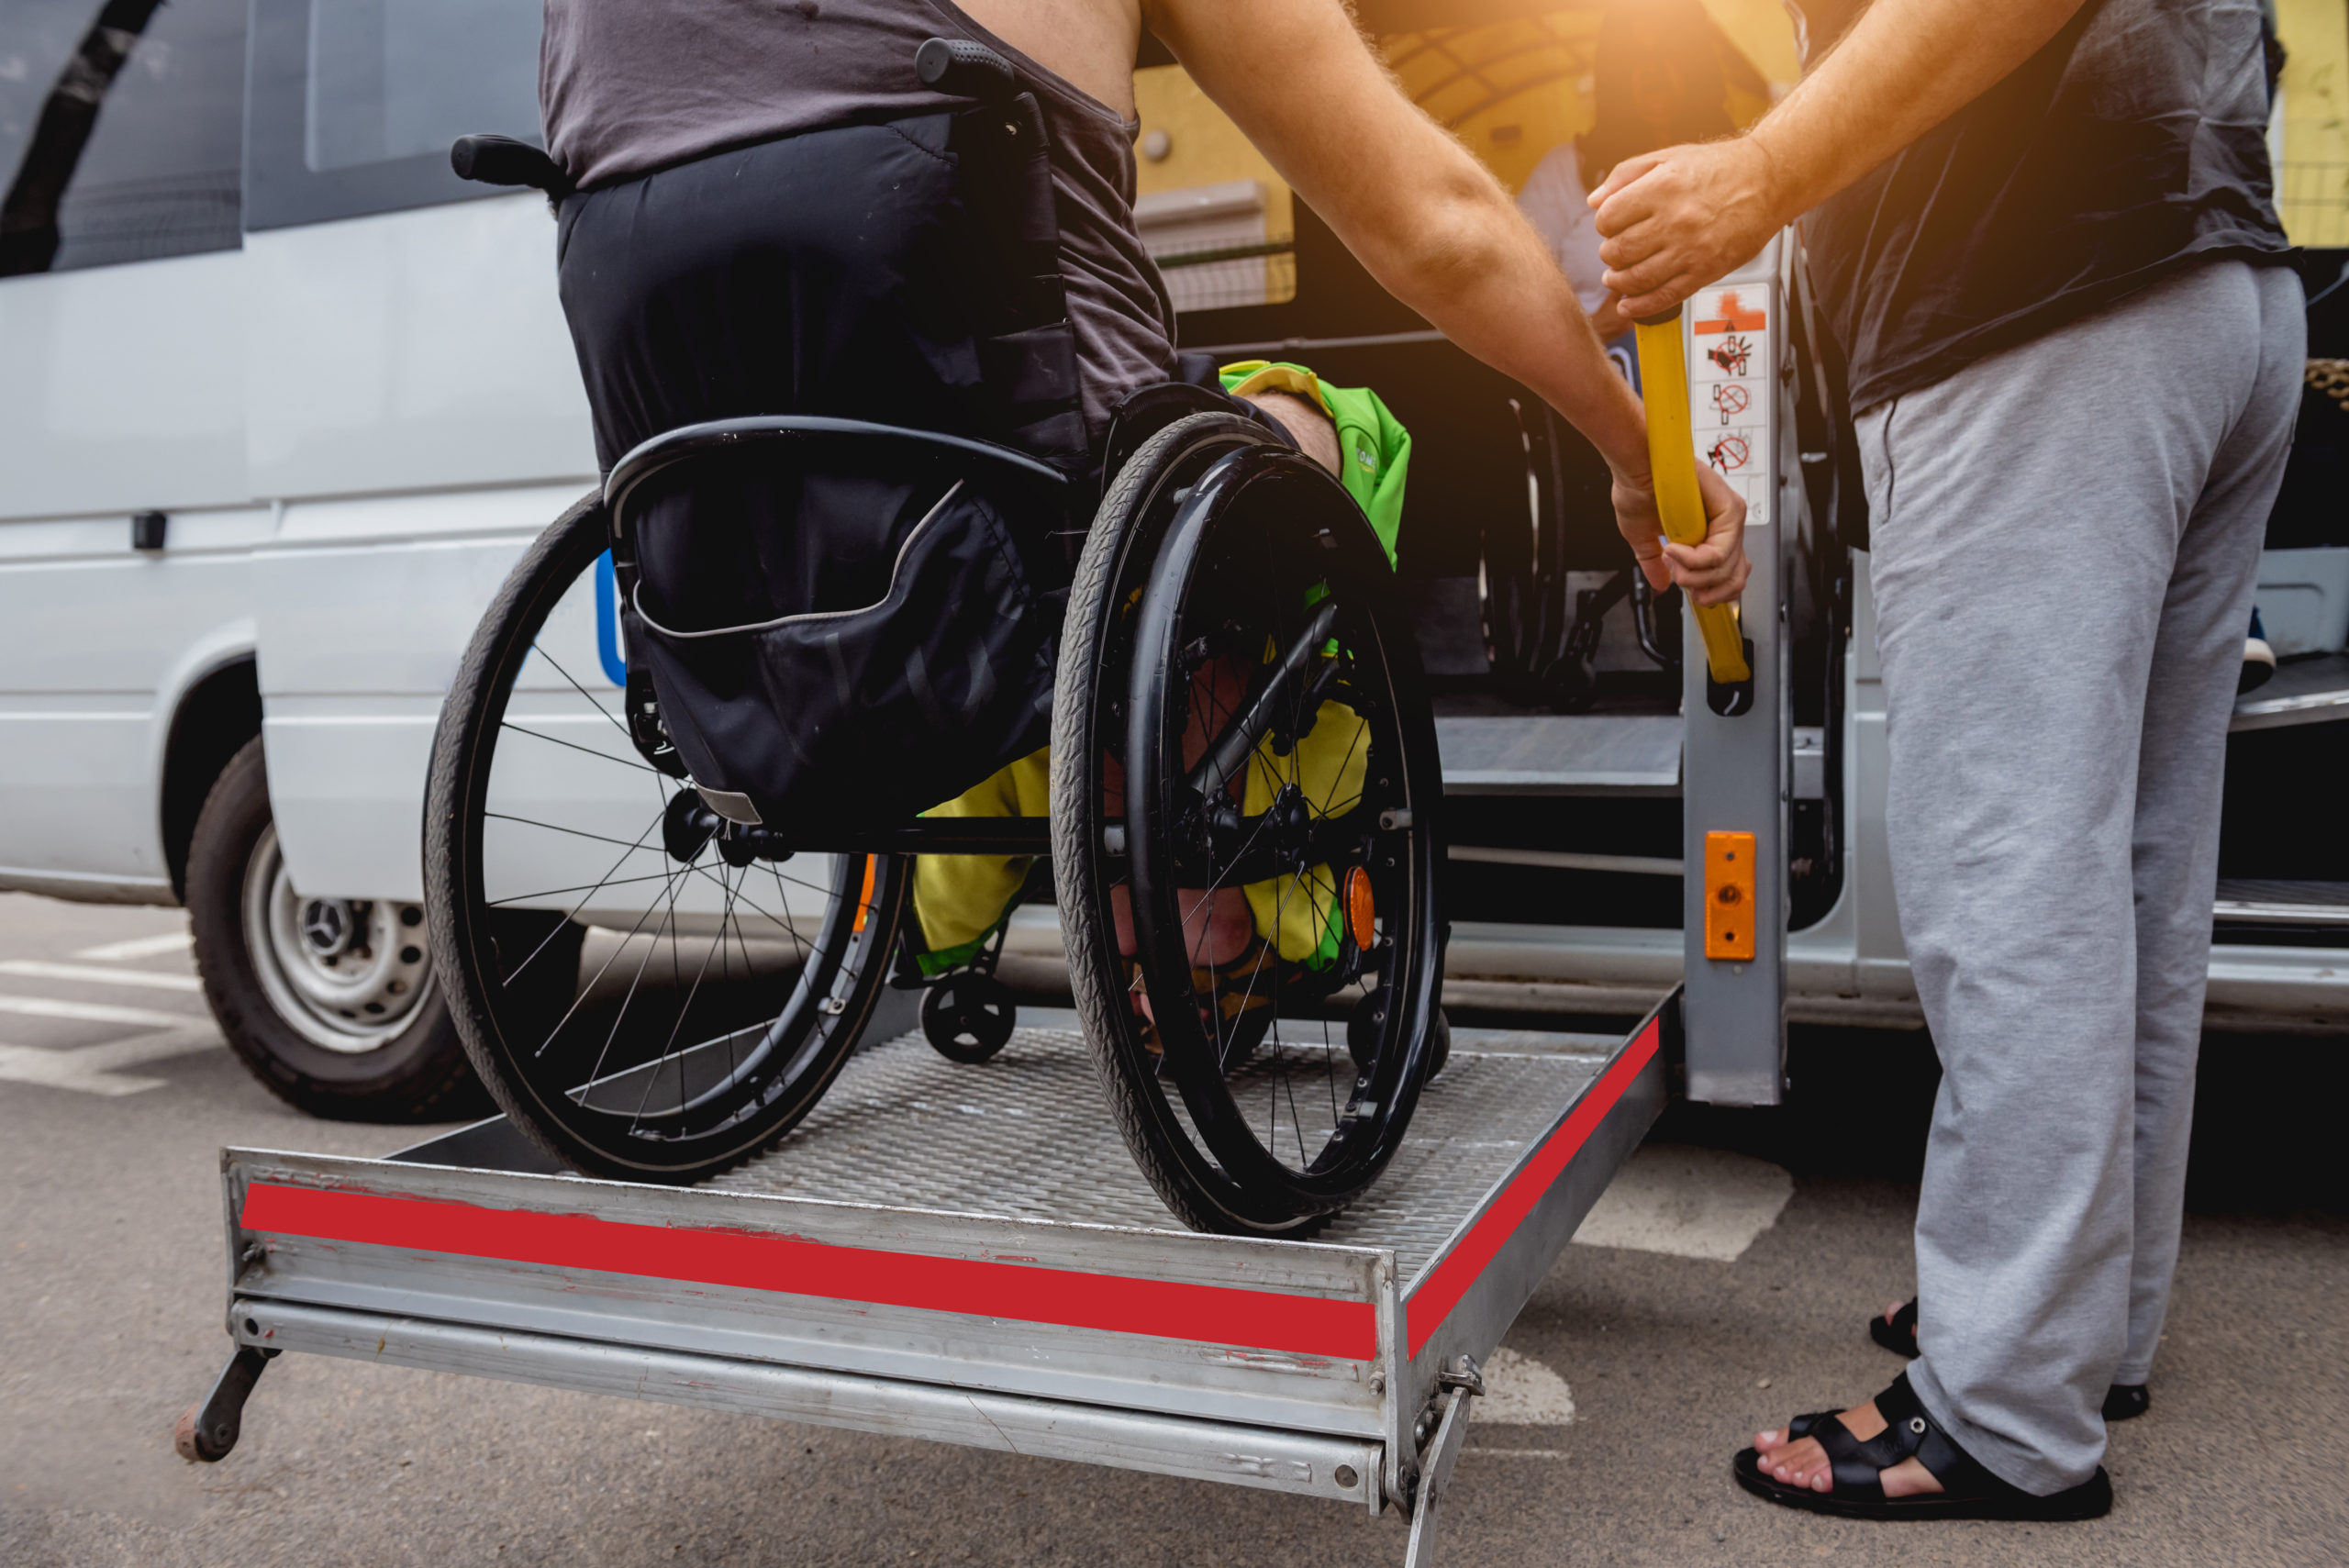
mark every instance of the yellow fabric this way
{"type": "Point", "coordinates": [1262, 375]}
{"type": "Point", "coordinates": [960, 898]}
{"type": "Point", "coordinates": [1298, 915]}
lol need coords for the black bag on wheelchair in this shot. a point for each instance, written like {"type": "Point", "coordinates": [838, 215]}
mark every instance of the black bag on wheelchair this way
{"type": "Point", "coordinates": [840, 625]}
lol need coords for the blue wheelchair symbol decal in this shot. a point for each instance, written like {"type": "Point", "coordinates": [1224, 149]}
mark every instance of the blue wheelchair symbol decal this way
{"type": "Point", "coordinates": [608, 621]}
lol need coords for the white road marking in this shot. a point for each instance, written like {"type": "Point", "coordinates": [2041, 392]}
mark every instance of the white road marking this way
{"type": "Point", "coordinates": [138, 947]}
{"type": "Point", "coordinates": [36, 969]}
{"type": "Point", "coordinates": [1688, 1203]}
{"type": "Point", "coordinates": [99, 1069]}
{"type": "Point", "coordinates": [1522, 1392]}
{"type": "Point", "coordinates": [1517, 1452]}
{"type": "Point", "coordinates": [95, 1012]}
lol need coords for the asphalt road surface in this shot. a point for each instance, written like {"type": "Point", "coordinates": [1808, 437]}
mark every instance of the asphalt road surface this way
{"type": "Point", "coordinates": [1722, 1286]}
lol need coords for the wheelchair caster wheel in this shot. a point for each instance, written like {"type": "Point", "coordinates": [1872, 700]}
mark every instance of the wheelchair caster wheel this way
{"type": "Point", "coordinates": [967, 1017]}
{"type": "Point", "coordinates": [1361, 1035]}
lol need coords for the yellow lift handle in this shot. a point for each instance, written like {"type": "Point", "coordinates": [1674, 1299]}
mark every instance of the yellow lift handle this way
{"type": "Point", "coordinates": [1672, 458]}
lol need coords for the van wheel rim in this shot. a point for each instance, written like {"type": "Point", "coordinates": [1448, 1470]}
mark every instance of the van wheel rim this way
{"type": "Point", "coordinates": [346, 975]}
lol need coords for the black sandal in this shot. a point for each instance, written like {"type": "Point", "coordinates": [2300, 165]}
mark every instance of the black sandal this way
{"type": "Point", "coordinates": [1897, 1333]}
{"type": "Point", "coordinates": [1968, 1491]}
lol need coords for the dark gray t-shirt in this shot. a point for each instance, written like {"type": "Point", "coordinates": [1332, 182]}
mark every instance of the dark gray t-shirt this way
{"type": "Point", "coordinates": [2131, 143]}
{"type": "Point", "coordinates": [627, 87]}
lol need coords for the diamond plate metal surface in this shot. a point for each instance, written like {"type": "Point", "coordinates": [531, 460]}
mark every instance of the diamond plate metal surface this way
{"type": "Point", "coordinates": [1028, 1136]}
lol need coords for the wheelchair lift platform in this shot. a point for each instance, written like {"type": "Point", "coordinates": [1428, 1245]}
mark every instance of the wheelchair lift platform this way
{"type": "Point", "coordinates": [969, 1254]}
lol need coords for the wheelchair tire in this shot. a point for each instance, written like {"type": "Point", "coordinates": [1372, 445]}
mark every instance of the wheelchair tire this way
{"type": "Point", "coordinates": [1215, 543]}
{"type": "Point", "coordinates": [721, 993]}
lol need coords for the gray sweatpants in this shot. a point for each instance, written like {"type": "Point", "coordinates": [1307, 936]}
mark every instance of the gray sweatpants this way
{"type": "Point", "coordinates": [2064, 541]}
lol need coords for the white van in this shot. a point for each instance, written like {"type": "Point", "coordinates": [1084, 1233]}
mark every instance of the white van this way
{"type": "Point", "coordinates": [284, 399]}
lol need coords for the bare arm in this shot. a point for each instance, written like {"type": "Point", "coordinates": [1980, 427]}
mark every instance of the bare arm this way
{"type": "Point", "coordinates": [1438, 230]}
{"type": "Point", "coordinates": [1676, 219]}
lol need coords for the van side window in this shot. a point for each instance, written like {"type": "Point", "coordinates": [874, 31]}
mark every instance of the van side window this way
{"type": "Point", "coordinates": [355, 102]}
{"type": "Point", "coordinates": [120, 129]}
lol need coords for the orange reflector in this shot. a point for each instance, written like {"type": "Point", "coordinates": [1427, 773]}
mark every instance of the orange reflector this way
{"type": "Point", "coordinates": [1362, 909]}
{"type": "Point", "coordinates": [864, 897]}
{"type": "Point", "coordinates": [1729, 911]}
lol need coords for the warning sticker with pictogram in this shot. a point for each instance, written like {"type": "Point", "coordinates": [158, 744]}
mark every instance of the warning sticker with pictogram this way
{"type": "Point", "coordinates": [1729, 402]}
{"type": "Point", "coordinates": [1732, 356]}
{"type": "Point", "coordinates": [1731, 315]}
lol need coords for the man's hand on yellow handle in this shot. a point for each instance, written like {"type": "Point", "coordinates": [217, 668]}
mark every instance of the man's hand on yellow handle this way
{"type": "Point", "coordinates": [1674, 220]}
{"type": "Point", "coordinates": [1712, 572]}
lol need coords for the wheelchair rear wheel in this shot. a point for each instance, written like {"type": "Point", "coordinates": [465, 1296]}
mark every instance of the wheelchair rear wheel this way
{"type": "Point", "coordinates": [719, 991]}
{"type": "Point", "coordinates": [1239, 707]}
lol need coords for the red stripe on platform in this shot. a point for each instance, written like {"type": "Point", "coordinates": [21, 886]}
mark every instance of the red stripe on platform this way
{"type": "Point", "coordinates": [1434, 1299]}
{"type": "Point", "coordinates": [1256, 1319]}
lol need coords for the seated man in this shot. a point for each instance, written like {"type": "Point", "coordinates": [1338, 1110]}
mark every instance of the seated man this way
{"type": "Point", "coordinates": [668, 113]}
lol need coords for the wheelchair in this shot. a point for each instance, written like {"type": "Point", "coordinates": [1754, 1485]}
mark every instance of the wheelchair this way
{"type": "Point", "coordinates": [658, 975]}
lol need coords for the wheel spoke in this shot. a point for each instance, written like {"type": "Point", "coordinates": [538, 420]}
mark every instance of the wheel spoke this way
{"type": "Point", "coordinates": [587, 990]}
{"type": "Point", "coordinates": [556, 665]}
{"type": "Point", "coordinates": [573, 832]}
{"type": "Point", "coordinates": [576, 887]}
{"type": "Point", "coordinates": [784, 898]}
{"type": "Point", "coordinates": [508, 980]}
{"type": "Point", "coordinates": [685, 1011]}
{"type": "Point", "coordinates": [635, 980]}
{"type": "Point", "coordinates": [575, 746]}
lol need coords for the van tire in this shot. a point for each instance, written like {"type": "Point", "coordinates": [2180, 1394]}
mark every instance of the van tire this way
{"type": "Point", "coordinates": [418, 1073]}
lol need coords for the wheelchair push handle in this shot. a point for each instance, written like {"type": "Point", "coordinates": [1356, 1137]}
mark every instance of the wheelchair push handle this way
{"type": "Point", "coordinates": [966, 70]}
{"type": "Point", "coordinates": [507, 160]}
{"type": "Point", "coordinates": [1672, 459]}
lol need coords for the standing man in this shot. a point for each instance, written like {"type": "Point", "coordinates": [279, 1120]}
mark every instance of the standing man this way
{"type": "Point", "coordinates": [2044, 232]}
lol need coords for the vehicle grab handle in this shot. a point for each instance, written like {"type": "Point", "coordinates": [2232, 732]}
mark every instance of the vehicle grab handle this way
{"type": "Point", "coordinates": [1672, 459]}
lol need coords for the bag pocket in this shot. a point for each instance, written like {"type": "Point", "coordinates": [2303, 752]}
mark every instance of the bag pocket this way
{"type": "Point", "coordinates": [863, 717]}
